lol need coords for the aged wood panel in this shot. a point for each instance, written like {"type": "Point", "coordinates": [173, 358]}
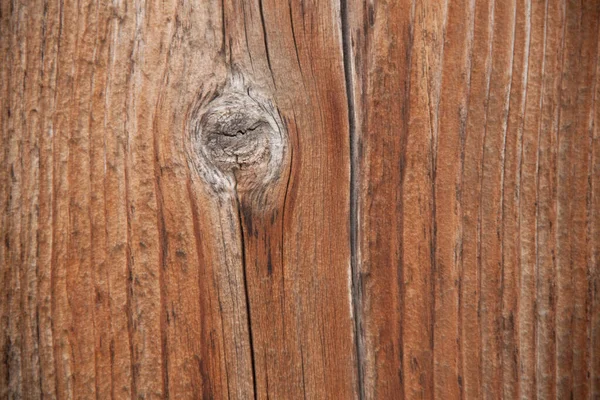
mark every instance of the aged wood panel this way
{"type": "Point", "coordinates": [304, 199]}
{"type": "Point", "coordinates": [475, 259]}
{"type": "Point", "coordinates": [124, 274]}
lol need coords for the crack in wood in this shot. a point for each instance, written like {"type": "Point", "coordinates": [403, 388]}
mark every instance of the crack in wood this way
{"type": "Point", "coordinates": [238, 146]}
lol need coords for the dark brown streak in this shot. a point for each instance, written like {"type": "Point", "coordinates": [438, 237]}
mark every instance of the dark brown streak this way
{"type": "Point", "coordinates": [303, 377]}
{"type": "Point", "coordinates": [356, 283]}
{"type": "Point", "coordinates": [128, 207]}
{"type": "Point", "coordinates": [266, 39]}
{"type": "Point", "coordinates": [40, 168]}
{"type": "Point", "coordinates": [104, 191]}
{"type": "Point", "coordinates": [224, 336]}
{"type": "Point", "coordinates": [197, 236]}
{"type": "Point", "coordinates": [162, 261]}
{"type": "Point", "coordinates": [294, 38]}
{"type": "Point", "coordinates": [555, 262]}
{"type": "Point", "coordinates": [129, 267]}
{"type": "Point", "coordinates": [239, 211]}
{"type": "Point", "coordinates": [223, 34]}
{"type": "Point", "coordinates": [21, 187]}
{"type": "Point", "coordinates": [285, 194]}
{"type": "Point", "coordinates": [502, 208]}
{"type": "Point", "coordinates": [91, 157]}
{"type": "Point", "coordinates": [434, 155]}
{"type": "Point", "coordinates": [246, 35]}
{"type": "Point", "coordinates": [54, 206]}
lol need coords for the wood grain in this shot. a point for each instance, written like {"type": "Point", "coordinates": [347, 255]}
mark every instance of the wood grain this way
{"type": "Point", "coordinates": [303, 199]}
{"type": "Point", "coordinates": [475, 190]}
{"type": "Point", "coordinates": [122, 274]}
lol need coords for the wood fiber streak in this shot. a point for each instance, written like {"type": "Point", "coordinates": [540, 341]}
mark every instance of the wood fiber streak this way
{"type": "Point", "coordinates": [525, 320]}
{"type": "Point", "coordinates": [546, 212]}
{"type": "Point", "coordinates": [594, 232]}
{"type": "Point", "coordinates": [425, 223]}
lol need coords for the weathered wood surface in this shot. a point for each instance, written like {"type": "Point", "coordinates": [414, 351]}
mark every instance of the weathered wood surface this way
{"type": "Point", "coordinates": [306, 199]}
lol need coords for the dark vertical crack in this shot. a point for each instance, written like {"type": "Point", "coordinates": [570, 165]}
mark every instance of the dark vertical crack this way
{"type": "Point", "coordinates": [266, 39]}
{"type": "Point", "coordinates": [129, 257]}
{"type": "Point", "coordinates": [294, 37]}
{"type": "Point", "coordinates": [246, 292]}
{"type": "Point", "coordinates": [354, 174]}
{"type": "Point", "coordinates": [223, 29]}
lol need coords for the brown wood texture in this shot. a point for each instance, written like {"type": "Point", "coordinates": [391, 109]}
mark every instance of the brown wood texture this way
{"type": "Point", "coordinates": [391, 199]}
{"type": "Point", "coordinates": [475, 149]}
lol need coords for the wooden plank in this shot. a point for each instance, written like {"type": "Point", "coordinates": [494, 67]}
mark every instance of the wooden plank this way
{"type": "Point", "coordinates": [457, 194]}
{"type": "Point", "coordinates": [303, 292]}
{"type": "Point", "coordinates": [578, 66]}
{"type": "Point", "coordinates": [30, 200]}
{"type": "Point", "coordinates": [472, 330]}
{"type": "Point", "coordinates": [134, 279]}
{"type": "Point", "coordinates": [452, 109]}
{"type": "Point", "coordinates": [12, 342]}
{"type": "Point", "coordinates": [48, 71]}
{"type": "Point", "coordinates": [114, 133]}
{"type": "Point", "coordinates": [303, 199]}
{"type": "Point", "coordinates": [382, 38]}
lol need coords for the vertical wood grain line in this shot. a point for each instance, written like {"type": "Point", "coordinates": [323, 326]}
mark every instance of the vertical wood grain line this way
{"type": "Point", "coordinates": [244, 252]}
{"type": "Point", "coordinates": [595, 231]}
{"type": "Point", "coordinates": [356, 285]}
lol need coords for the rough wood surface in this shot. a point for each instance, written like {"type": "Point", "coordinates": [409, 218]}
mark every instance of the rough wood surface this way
{"type": "Point", "coordinates": [476, 152]}
{"type": "Point", "coordinates": [389, 199]}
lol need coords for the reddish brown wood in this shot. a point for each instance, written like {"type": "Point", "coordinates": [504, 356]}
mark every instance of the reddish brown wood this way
{"type": "Point", "coordinates": [122, 275]}
{"type": "Point", "coordinates": [429, 227]}
{"type": "Point", "coordinates": [475, 198]}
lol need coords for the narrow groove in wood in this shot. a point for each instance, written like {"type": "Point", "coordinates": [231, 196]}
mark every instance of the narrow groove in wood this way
{"type": "Point", "coordinates": [558, 311]}
{"type": "Point", "coordinates": [595, 230]}
{"type": "Point", "coordinates": [356, 285]}
{"type": "Point", "coordinates": [265, 38]}
{"type": "Point", "coordinates": [481, 280]}
{"type": "Point", "coordinates": [162, 267]}
{"type": "Point", "coordinates": [243, 253]}
{"type": "Point", "coordinates": [462, 345]}
{"type": "Point", "coordinates": [536, 268]}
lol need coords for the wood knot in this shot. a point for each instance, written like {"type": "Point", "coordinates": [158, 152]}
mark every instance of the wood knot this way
{"type": "Point", "coordinates": [238, 139]}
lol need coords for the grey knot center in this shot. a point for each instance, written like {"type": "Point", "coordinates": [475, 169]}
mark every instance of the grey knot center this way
{"type": "Point", "coordinates": [236, 135]}
{"type": "Point", "coordinates": [238, 139]}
